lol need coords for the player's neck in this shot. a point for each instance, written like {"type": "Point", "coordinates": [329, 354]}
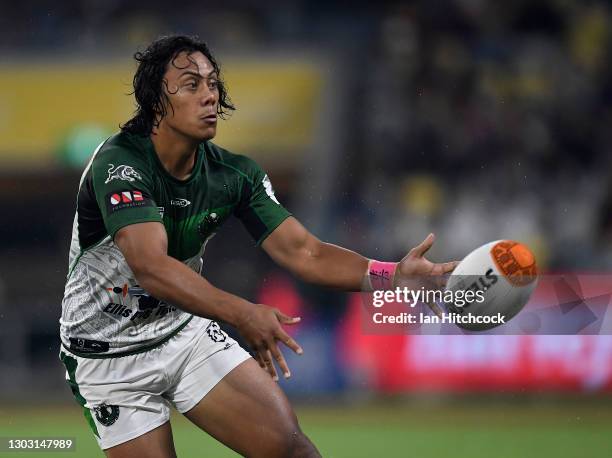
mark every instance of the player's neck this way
{"type": "Point", "coordinates": [176, 152]}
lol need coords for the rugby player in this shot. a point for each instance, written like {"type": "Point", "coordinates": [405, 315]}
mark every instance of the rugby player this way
{"type": "Point", "coordinates": [139, 324]}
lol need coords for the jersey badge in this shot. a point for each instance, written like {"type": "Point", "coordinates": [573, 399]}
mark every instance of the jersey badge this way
{"type": "Point", "coordinates": [122, 172]}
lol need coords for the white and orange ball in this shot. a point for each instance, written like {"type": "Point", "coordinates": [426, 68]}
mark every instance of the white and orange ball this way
{"type": "Point", "coordinates": [505, 273]}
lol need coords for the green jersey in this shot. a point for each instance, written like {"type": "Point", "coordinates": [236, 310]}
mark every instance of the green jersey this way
{"type": "Point", "coordinates": [104, 311]}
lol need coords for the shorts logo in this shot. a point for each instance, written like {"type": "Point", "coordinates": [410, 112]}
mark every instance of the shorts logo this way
{"type": "Point", "coordinates": [126, 199]}
{"type": "Point", "coordinates": [215, 333]}
{"type": "Point", "coordinates": [106, 414]}
{"type": "Point", "coordinates": [122, 172]}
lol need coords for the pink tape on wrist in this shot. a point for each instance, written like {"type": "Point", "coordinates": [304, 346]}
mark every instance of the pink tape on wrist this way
{"type": "Point", "coordinates": [381, 274]}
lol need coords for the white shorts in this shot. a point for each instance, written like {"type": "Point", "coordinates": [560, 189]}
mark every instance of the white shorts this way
{"type": "Point", "coordinates": [125, 397]}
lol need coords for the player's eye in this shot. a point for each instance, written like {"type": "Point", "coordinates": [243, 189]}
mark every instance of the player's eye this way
{"type": "Point", "coordinates": [213, 84]}
{"type": "Point", "coordinates": [192, 85]}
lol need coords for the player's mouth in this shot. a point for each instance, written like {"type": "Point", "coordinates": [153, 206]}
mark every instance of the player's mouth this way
{"type": "Point", "coordinates": [209, 119]}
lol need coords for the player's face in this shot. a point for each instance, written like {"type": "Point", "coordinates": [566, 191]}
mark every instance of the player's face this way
{"type": "Point", "coordinates": [192, 89]}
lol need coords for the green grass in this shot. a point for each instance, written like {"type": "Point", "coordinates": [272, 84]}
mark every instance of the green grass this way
{"type": "Point", "coordinates": [392, 429]}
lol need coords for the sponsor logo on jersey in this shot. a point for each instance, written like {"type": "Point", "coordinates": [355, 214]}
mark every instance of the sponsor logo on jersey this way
{"type": "Point", "coordinates": [79, 344]}
{"type": "Point", "coordinates": [126, 197]}
{"type": "Point", "coordinates": [106, 414]}
{"type": "Point", "coordinates": [121, 290]}
{"type": "Point", "coordinates": [145, 301]}
{"type": "Point", "coordinates": [180, 203]}
{"type": "Point", "coordinates": [215, 332]}
{"type": "Point", "coordinates": [120, 200]}
{"type": "Point", "coordinates": [268, 187]}
{"type": "Point", "coordinates": [135, 303]}
{"type": "Point", "coordinates": [122, 172]}
{"type": "Point", "coordinates": [119, 310]}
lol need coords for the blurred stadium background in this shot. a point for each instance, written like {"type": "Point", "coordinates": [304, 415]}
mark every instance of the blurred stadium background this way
{"type": "Point", "coordinates": [378, 123]}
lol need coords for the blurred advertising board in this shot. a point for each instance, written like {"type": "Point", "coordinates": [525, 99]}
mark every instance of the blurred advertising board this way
{"type": "Point", "coordinates": [406, 361]}
{"type": "Point", "coordinates": [277, 102]}
{"type": "Point", "coordinates": [41, 103]}
{"type": "Point", "coordinates": [464, 363]}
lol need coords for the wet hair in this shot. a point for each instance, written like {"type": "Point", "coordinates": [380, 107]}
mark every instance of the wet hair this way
{"type": "Point", "coordinates": [151, 100]}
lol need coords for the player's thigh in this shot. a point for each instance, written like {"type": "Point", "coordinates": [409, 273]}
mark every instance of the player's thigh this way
{"type": "Point", "coordinates": [249, 413]}
{"type": "Point", "coordinates": [122, 397]}
{"type": "Point", "coordinates": [157, 443]}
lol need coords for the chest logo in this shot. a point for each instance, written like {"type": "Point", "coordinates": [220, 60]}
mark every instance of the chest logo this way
{"type": "Point", "coordinates": [122, 172]}
{"type": "Point", "coordinates": [180, 203]}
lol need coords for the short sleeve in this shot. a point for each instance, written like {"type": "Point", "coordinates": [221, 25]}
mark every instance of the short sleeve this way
{"type": "Point", "coordinates": [123, 186]}
{"type": "Point", "coordinates": [259, 209]}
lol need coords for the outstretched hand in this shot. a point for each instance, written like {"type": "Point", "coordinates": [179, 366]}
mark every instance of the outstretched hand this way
{"type": "Point", "coordinates": [261, 328]}
{"type": "Point", "coordinates": [415, 271]}
{"type": "Point", "coordinates": [415, 262]}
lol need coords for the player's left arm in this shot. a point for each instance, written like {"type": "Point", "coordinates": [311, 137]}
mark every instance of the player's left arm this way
{"type": "Point", "coordinates": [293, 247]}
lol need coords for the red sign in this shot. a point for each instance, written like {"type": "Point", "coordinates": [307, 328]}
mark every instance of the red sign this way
{"type": "Point", "coordinates": [405, 362]}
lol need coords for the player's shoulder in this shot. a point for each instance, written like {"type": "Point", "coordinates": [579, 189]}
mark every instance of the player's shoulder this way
{"type": "Point", "coordinates": [123, 147]}
{"type": "Point", "coordinates": [239, 163]}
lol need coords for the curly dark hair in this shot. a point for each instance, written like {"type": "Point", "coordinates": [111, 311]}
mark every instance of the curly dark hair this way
{"type": "Point", "coordinates": [151, 100]}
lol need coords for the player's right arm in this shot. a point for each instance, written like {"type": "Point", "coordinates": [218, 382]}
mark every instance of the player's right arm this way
{"type": "Point", "coordinates": [144, 246]}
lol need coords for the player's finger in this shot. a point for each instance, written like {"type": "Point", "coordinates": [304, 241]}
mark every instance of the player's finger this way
{"type": "Point", "coordinates": [287, 340]}
{"type": "Point", "coordinates": [266, 358]}
{"type": "Point", "coordinates": [423, 247]}
{"type": "Point", "coordinates": [265, 362]}
{"type": "Point", "coordinates": [440, 273]}
{"type": "Point", "coordinates": [280, 359]}
{"type": "Point", "coordinates": [448, 267]}
{"type": "Point", "coordinates": [271, 367]}
{"type": "Point", "coordinates": [286, 319]}
{"type": "Point", "coordinates": [439, 281]}
{"type": "Point", "coordinates": [259, 360]}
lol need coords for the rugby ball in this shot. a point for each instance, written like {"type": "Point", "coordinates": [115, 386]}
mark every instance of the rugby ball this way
{"type": "Point", "coordinates": [503, 274]}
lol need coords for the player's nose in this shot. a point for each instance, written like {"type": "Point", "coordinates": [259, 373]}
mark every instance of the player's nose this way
{"type": "Point", "coordinates": [208, 97]}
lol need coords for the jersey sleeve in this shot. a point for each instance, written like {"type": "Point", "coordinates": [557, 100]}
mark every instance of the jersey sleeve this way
{"type": "Point", "coordinates": [124, 189]}
{"type": "Point", "coordinates": [259, 209]}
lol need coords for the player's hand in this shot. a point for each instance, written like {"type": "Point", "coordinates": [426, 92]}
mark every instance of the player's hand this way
{"type": "Point", "coordinates": [415, 271]}
{"type": "Point", "coordinates": [261, 328]}
{"type": "Point", "coordinates": [415, 266]}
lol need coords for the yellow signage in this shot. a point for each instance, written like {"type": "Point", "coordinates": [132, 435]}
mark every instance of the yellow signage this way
{"type": "Point", "coordinates": [277, 106]}
{"type": "Point", "coordinates": [39, 104]}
